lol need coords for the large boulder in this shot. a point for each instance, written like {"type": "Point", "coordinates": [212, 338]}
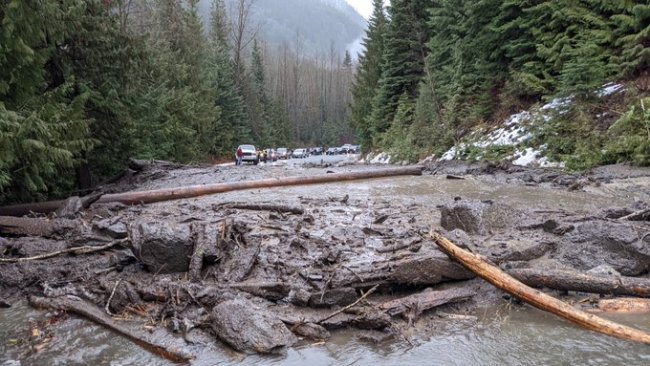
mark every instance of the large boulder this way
{"type": "Point", "coordinates": [250, 328]}
{"type": "Point", "coordinates": [162, 246]}
{"type": "Point", "coordinates": [623, 246]}
{"type": "Point", "coordinates": [476, 218]}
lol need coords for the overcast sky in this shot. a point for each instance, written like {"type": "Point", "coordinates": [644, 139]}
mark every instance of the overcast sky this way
{"type": "Point", "coordinates": [364, 7]}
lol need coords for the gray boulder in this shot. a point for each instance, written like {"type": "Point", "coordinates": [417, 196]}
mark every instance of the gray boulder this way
{"type": "Point", "coordinates": [250, 328]}
{"type": "Point", "coordinates": [163, 247]}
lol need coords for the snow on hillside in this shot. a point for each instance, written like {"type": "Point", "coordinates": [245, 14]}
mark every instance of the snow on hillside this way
{"type": "Point", "coordinates": [518, 130]}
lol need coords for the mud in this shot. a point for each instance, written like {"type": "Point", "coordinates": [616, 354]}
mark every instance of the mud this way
{"type": "Point", "coordinates": [216, 264]}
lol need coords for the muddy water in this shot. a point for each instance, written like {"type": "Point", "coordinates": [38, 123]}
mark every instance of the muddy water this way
{"type": "Point", "coordinates": [496, 336]}
{"type": "Point", "coordinates": [505, 335]}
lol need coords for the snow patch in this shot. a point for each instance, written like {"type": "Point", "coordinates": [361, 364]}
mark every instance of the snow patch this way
{"type": "Point", "coordinates": [381, 158]}
{"type": "Point", "coordinates": [609, 89]}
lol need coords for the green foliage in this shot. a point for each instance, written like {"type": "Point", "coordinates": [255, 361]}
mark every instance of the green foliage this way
{"type": "Point", "coordinates": [368, 74]}
{"type": "Point", "coordinates": [630, 135]}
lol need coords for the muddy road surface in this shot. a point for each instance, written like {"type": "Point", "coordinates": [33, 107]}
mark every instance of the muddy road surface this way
{"type": "Point", "coordinates": [338, 273]}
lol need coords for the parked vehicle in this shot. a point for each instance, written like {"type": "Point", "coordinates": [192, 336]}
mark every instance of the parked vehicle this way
{"type": "Point", "coordinates": [346, 149]}
{"type": "Point", "coordinates": [250, 154]}
{"type": "Point", "coordinates": [330, 151]}
{"type": "Point", "coordinates": [316, 151]}
{"type": "Point", "coordinates": [282, 153]}
{"type": "Point", "coordinates": [299, 153]}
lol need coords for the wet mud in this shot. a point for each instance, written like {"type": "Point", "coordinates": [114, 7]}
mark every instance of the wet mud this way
{"type": "Point", "coordinates": [261, 271]}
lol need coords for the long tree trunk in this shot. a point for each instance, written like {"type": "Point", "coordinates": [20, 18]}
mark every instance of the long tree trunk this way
{"type": "Point", "coordinates": [542, 301]}
{"type": "Point", "coordinates": [572, 281]}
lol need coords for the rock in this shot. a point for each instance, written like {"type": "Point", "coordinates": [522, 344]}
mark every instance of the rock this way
{"type": "Point", "coordinates": [311, 331]}
{"type": "Point", "coordinates": [338, 296]}
{"type": "Point", "coordinates": [113, 227]}
{"type": "Point", "coordinates": [298, 296]}
{"type": "Point", "coordinates": [618, 245]}
{"type": "Point", "coordinates": [249, 328]}
{"type": "Point", "coordinates": [70, 208]}
{"type": "Point", "coordinates": [163, 246]}
{"type": "Point", "coordinates": [476, 217]}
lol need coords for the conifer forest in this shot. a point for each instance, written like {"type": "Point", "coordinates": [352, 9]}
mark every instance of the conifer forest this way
{"type": "Point", "coordinates": [87, 84]}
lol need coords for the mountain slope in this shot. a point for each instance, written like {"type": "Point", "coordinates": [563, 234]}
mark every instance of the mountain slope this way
{"type": "Point", "coordinates": [313, 26]}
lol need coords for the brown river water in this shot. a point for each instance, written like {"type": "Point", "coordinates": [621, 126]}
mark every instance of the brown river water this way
{"type": "Point", "coordinates": [502, 335]}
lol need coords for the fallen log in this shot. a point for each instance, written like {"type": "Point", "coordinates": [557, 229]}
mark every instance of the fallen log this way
{"type": "Point", "coordinates": [542, 301]}
{"type": "Point", "coordinates": [75, 250]}
{"type": "Point", "coordinates": [264, 207]}
{"type": "Point", "coordinates": [96, 315]}
{"type": "Point", "coordinates": [45, 207]}
{"type": "Point", "coordinates": [27, 226]}
{"type": "Point", "coordinates": [201, 190]}
{"type": "Point", "coordinates": [572, 281]}
{"type": "Point", "coordinates": [418, 303]}
{"type": "Point", "coordinates": [167, 194]}
{"type": "Point", "coordinates": [625, 305]}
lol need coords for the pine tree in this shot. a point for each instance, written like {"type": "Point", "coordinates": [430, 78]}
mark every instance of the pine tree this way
{"type": "Point", "coordinates": [44, 131]}
{"type": "Point", "coordinates": [403, 60]}
{"type": "Point", "coordinates": [231, 129]}
{"type": "Point", "coordinates": [368, 74]}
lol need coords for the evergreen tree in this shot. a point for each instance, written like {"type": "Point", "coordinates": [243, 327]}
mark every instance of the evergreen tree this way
{"type": "Point", "coordinates": [231, 129]}
{"type": "Point", "coordinates": [368, 74]}
{"type": "Point", "coordinates": [403, 60]}
{"type": "Point", "coordinates": [44, 131]}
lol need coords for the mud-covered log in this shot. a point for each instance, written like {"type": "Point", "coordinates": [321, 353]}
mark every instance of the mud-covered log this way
{"type": "Point", "coordinates": [45, 207]}
{"type": "Point", "coordinates": [26, 226]}
{"type": "Point", "coordinates": [264, 207]}
{"type": "Point", "coordinates": [416, 304]}
{"type": "Point", "coordinates": [91, 312]}
{"type": "Point", "coordinates": [166, 194]}
{"type": "Point", "coordinates": [542, 301]}
{"type": "Point", "coordinates": [573, 281]}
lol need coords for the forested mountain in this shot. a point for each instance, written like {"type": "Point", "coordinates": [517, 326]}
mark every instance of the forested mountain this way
{"type": "Point", "coordinates": [313, 27]}
{"type": "Point", "coordinates": [425, 81]}
{"type": "Point", "coordinates": [87, 84]}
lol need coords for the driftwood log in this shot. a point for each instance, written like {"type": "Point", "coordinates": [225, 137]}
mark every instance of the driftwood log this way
{"type": "Point", "coordinates": [96, 315]}
{"type": "Point", "coordinates": [572, 281]}
{"type": "Point", "coordinates": [542, 301]}
{"type": "Point", "coordinates": [628, 305]}
{"type": "Point", "coordinates": [167, 194]}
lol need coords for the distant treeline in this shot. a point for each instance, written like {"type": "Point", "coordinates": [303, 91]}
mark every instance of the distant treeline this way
{"type": "Point", "coordinates": [434, 69]}
{"type": "Point", "coordinates": [87, 84]}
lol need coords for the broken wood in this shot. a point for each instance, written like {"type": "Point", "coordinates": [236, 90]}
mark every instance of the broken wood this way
{"type": "Point", "coordinates": [373, 289]}
{"type": "Point", "coordinates": [641, 215]}
{"type": "Point", "coordinates": [410, 244]}
{"type": "Point", "coordinates": [418, 303]}
{"type": "Point", "coordinates": [76, 250]}
{"type": "Point", "coordinates": [91, 312]}
{"type": "Point", "coordinates": [573, 281]}
{"type": "Point", "coordinates": [542, 301]}
{"type": "Point", "coordinates": [628, 305]}
{"type": "Point", "coordinates": [263, 207]}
